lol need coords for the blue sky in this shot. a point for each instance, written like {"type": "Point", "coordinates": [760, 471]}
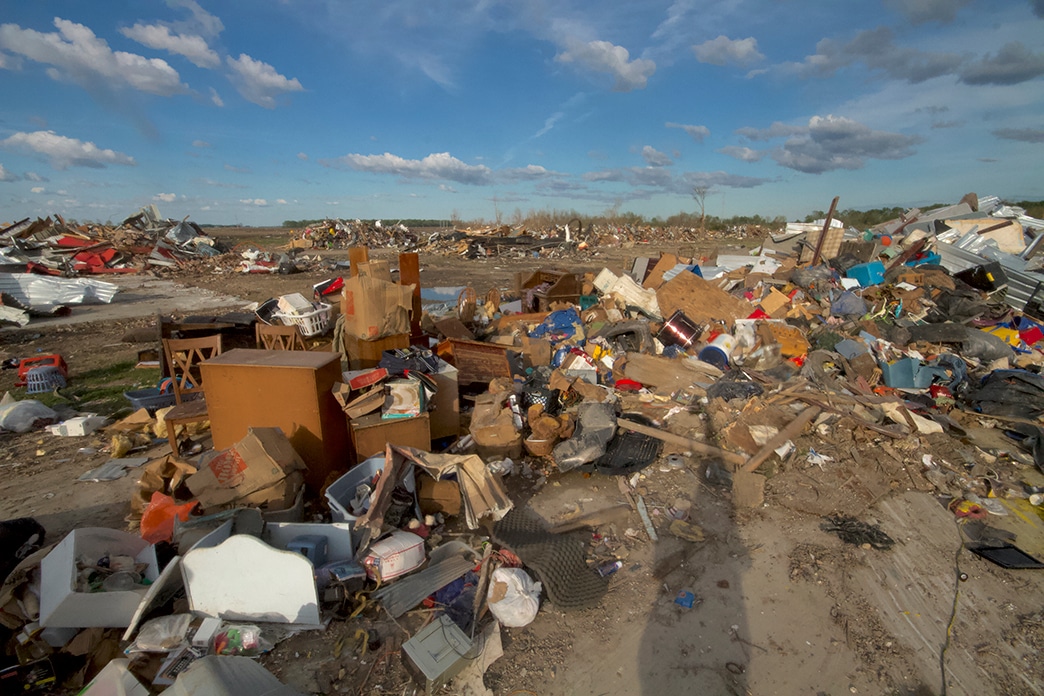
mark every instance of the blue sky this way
{"type": "Point", "coordinates": [258, 112]}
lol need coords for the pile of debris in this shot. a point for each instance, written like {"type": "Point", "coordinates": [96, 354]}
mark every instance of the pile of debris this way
{"type": "Point", "coordinates": [553, 241]}
{"type": "Point", "coordinates": [144, 240]}
{"type": "Point", "coordinates": [754, 372]}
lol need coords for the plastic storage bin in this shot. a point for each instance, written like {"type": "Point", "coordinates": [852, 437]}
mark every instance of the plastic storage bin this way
{"type": "Point", "coordinates": [309, 324]}
{"type": "Point", "coordinates": [867, 274]}
{"type": "Point", "coordinates": [340, 493]}
{"type": "Point", "coordinates": [151, 398]}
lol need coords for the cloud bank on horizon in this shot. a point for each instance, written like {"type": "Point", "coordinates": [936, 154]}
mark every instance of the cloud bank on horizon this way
{"type": "Point", "coordinates": [316, 108]}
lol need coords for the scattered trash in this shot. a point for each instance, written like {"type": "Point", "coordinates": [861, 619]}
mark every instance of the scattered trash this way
{"type": "Point", "coordinates": [852, 531]}
{"type": "Point", "coordinates": [826, 345]}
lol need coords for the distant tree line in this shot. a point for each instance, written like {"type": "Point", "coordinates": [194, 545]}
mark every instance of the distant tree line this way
{"type": "Point", "coordinates": [613, 216]}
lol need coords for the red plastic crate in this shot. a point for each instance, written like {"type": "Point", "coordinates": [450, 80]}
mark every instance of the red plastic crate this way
{"type": "Point", "coordinates": [27, 364]}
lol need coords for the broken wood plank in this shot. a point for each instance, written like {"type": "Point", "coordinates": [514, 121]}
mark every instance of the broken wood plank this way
{"type": "Point", "coordinates": [595, 518]}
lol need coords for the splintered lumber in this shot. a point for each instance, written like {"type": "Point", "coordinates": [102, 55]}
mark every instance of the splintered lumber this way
{"type": "Point", "coordinates": [595, 518]}
{"type": "Point", "coordinates": [687, 443]}
{"type": "Point", "coordinates": [793, 428]}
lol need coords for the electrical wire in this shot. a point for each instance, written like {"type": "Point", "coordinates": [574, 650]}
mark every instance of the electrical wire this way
{"type": "Point", "coordinates": [953, 610]}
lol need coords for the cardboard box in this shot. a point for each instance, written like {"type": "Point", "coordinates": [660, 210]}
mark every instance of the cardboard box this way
{"type": "Point", "coordinates": [255, 471]}
{"type": "Point", "coordinates": [375, 308]}
{"type": "Point", "coordinates": [363, 354]}
{"type": "Point", "coordinates": [357, 404]}
{"type": "Point", "coordinates": [62, 606]}
{"type": "Point", "coordinates": [438, 496]}
{"type": "Point", "coordinates": [379, 269]}
{"type": "Point", "coordinates": [493, 428]}
{"type": "Point", "coordinates": [360, 379]}
{"type": "Point", "coordinates": [371, 434]}
{"type": "Point", "coordinates": [536, 351]}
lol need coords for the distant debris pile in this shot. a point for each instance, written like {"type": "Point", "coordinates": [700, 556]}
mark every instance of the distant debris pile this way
{"type": "Point", "coordinates": [144, 240]}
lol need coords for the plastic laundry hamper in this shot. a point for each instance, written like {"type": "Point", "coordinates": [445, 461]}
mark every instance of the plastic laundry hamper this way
{"type": "Point", "coordinates": [40, 380]}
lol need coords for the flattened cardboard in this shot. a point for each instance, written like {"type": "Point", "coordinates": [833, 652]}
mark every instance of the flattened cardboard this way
{"type": "Point", "coordinates": [257, 464]}
{"type": "Point", "coordinates": [374, 308]}
{"type": "Point", "coordinates": [482, 493]}
{"type": "Point", "coordinates": [356, 404]}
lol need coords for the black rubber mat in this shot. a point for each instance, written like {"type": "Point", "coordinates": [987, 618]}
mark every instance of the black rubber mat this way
{"type": "Point", "coordinates": [629, 451]}
{"type": "Point", "coordinates": [558, 560]}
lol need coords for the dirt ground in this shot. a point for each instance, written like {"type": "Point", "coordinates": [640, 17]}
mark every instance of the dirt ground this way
{"type": "Point", "coordinates": [780, 606]}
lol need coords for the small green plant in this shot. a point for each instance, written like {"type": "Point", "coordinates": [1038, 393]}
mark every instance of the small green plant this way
{"type": "Point", "coordinates": [99, 390]}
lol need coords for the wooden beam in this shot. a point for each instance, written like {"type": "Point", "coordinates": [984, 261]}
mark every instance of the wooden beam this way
{"type": "Point", "coordinates": [826, 228]}
{"type": "Point", "coordinates": [357, 255]}
{"type": "Point", "coordinates": [409, 274]}
{"type": "Point", "coordinates": [793, 428]}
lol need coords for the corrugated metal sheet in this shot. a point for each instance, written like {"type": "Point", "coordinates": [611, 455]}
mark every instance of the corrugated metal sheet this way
{"type": "Point", "coordinates": [46, 291]}
{"type": "Point", "coordinates": [1021, 285]}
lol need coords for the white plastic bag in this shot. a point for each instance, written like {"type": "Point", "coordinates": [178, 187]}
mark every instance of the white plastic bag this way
{"type": "Point", "coordinates": [163, 634]}
{"type": "Point", "coordinates": [514, 597]}
{"type": "Point", "coordinates": [21, 416]}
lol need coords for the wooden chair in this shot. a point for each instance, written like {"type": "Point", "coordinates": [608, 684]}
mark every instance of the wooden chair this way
{"type": "Point", "coordinates": [183, 356]}
{"type": "Point", "coordinates": [275, 337]}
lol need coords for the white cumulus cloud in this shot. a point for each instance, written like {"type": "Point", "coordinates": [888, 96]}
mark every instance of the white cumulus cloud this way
{"type": "Point", "coordinates": [260, 202]}
{"type": "Point", "coordinates": [38, 189]}
{"type": "Point", "coordinates": [697, 133]}
{"type": "Point", "coordinates": [655, 158]}
{"type": "Point", "coordinates": [6, 175]}
{"type": "Point", "coordinates": [65, 152]}
{"type": "Point", "coordinates": [76, 55]}
{"type": "Point", "coordinates": [603, 56]}
{"type": "Point", "coordinates": [165, 197]}
{"type": "Point", "coordinates": [159, 37]}
{"type": "Point", "coordinates": [723, 50]}
{"type": "Point", "coordinates": [258, 82]}
{"type": "Point", "coordinates": [440, 165]}
{"type": "Point", "coordinates": [744, 154]}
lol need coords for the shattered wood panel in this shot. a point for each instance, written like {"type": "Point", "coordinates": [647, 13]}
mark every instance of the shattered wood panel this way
{"type": "Point", "coordinates": [831, 245]}
{"type": "Point", "coordinates": [700, 301]}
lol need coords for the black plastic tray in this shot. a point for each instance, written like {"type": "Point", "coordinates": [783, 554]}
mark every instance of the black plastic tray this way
{"type": "Point", "coordinates": [1007, 556]}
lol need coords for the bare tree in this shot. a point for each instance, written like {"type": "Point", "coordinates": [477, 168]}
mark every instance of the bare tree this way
{"type": "Point", "coordinates": [700, 194]}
